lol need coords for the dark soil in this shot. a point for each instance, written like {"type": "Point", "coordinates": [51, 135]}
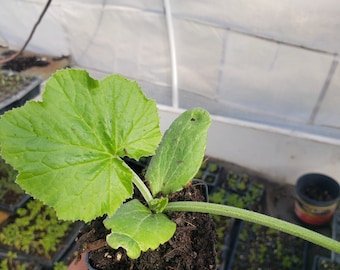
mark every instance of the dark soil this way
{"type": "Point", "coordinates": [11, 197]}
{"type": "Point", "coordinates": [317, 193]}
{"type": "Point", "coordinates": [191, 247]}
{"type": "Point", "coordinates": [21, 63]}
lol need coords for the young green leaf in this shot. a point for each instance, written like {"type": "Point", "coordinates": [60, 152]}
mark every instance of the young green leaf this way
{"type": "Point", "coordinates": [135, 228]}
{"type": "Point", "coordinates": [158, 205]}
{"type": "Point", "coordinates": [180, 153]}
{"type": "Point", "coordinates": [67, 148]}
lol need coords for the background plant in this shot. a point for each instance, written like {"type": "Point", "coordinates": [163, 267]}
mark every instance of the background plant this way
{"type": "Point", "coordinates": [7, 179]}
{"type": "Point", "coordinates": [9, 263]}
{"type": "Point", "coordinates": [35, 230]}
{"type": "Point", "coordinates": [11, 82]}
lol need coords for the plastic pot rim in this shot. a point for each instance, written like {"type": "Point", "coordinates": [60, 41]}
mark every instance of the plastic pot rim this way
{"type": "Point", "coordinates": [313, 178]}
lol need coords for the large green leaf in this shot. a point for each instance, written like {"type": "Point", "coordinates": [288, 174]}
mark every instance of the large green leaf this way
{"type": "Point", "coordinates": [180, 153]}
{"type": "Point", "coordinates": [68, 147]}
{"type": "Point", "coordinates": [135, 228]}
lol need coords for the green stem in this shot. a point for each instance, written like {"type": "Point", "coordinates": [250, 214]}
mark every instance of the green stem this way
{"type": "Point", "coordinates": [230, 211]}
{"type": "Point", "coordinates": [142, 188]}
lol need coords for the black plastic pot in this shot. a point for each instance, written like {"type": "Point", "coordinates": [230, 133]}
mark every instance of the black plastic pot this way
{"type": "Point", "coordinates": [87, 262]}
{"type": "Point", "coordinates": [316, 198]}
{"type": "Point", "coordinates": [138, 166]}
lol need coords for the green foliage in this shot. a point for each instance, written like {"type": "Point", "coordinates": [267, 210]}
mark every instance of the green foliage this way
{"type": "Point", "coordinates": [69, 149]}
{"type": "Point", "coordinates": [9, 263]}
{"type": "Point", "coordinates": [76, 137]}
{"type": "Point", "coordinates": [7, 180]}
{"type": "Point", "coordinates": [213, 167]}
{"type": "Point", "coordinates": [69, 152]}
{"type": "Point", "coordinates": [180, 154]}
{"type": "Point", "coordinates": [35, 230]}
{"type": "Point", "coordinates": [262, 247]}
{"type": "Point", "coordinates": [133, 227]}
{"type": "Point", "coordinates": [59, 266]}
{"type": "Point", "coordinates": [11, 82]}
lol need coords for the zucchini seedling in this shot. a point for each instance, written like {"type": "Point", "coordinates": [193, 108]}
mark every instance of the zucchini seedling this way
{"type": "Point", "coordinates": [69, 149]}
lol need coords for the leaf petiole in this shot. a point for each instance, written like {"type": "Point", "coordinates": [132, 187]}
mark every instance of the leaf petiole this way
{"type": "Point", "coordinates": [246, 215]}
{"type": "Point", "coordinates": [142, 188]}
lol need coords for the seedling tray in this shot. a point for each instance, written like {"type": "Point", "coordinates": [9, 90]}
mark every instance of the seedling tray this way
{"type": "Point", "coordinates": [260, 247]}
{"type": "Point", "coordinates": [62, 250]}
{"type": "Point", "coordinates": [323, 263]}
{"type": "Point", "coordinates": [336, 235]}
{"type": "Point", "coordinates": [16, 89]}
{"type": "Point", "coordinates": [242, 190]}
{"type": "Point", "coordinates": [11, 208]}
{"type": "Point", "coordinates": [226, 229]}
{"type": "Point", "coordinates": [19, 263]}
{"type": "Point", "coordinates": [210, 172]}
{"type": "Point", "coordinates": [31, 233]}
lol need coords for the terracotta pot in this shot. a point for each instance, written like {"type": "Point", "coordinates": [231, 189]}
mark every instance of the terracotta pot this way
{"type": "Point", "coordinates": [79, 265]}
{"type": "Point", "coordinates": [317, 198]}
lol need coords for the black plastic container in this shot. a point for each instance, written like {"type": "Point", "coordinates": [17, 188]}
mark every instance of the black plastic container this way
{"type": "Point", "coordinates": [316, 199]}
{"type": "Point", "coordinates": [138, 166]}
{"type": "Point", "coordinates": [20, 262]}
{"type": "Point", "coordinates": [11, 208]}
{"type": "Point", "coordinates": [238, 191]}
{"type": "Point", "coordinates": [32, 224]}
{"type": "Point", "coordinates": [323, 263]}
{"type": "Point", "coordinates": [260, 247]}
{"type": "Point", "coordinates": [336, 235]}
{"type": "Point", "coordinates": [210, 172]}
{"type": "Point", "coordinates": [59, 254]}
{"type": "Point", "coordinates": [242, 190]}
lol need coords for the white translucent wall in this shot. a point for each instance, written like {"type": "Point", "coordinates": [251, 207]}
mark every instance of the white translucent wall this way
{"type": "Point", "coordinates": [272, 64]}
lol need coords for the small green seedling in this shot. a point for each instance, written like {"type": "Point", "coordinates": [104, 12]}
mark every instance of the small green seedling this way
{"type": "Point", "coordinates": [68, 150]}
{"type": "Point", "coordinates": [9, 262]}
